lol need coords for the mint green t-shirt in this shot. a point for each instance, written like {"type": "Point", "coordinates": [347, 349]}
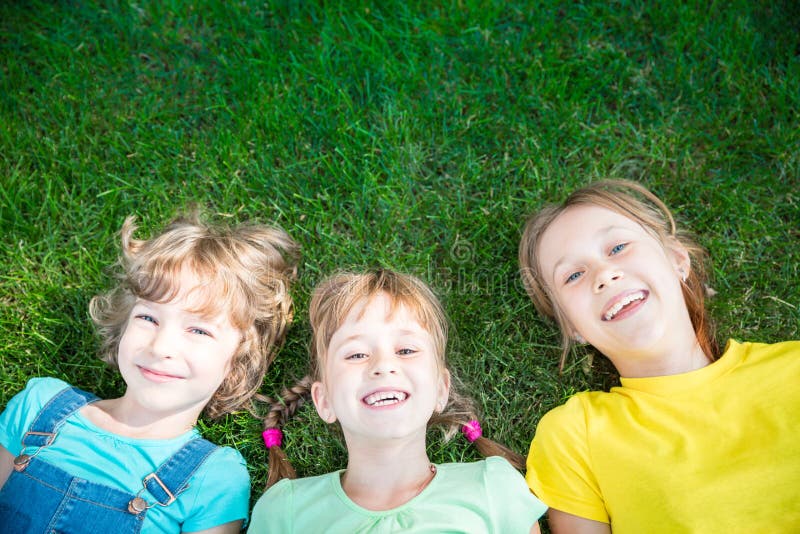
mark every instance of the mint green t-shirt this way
{"type": "Point", "coordinates": [218, 492]}
{"type": "Point", "coordinates": [485, 496]}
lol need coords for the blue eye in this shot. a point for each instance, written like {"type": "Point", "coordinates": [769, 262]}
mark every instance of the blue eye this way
{"type": "Point", "coordinates": [199, 331]}
{"type": "Point", "coordinates": [148, 318]}
{"type": "Point", "coordinates": [618, 248]}
{"type": "Point", "coordinates": [406, 352]}
{"type": "Point", "coordinates": [574, 276]}
{"type": "Point", "coordinates": [356, 356]}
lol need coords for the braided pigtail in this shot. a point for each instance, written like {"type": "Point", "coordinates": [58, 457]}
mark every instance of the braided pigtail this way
{"type": "Point", "coordinates": [460, 413]}
{"type": "Point", "coordinates": [280, 412]}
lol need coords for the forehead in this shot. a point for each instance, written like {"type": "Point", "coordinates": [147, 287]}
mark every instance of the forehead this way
{"type": "Point", "coordinates": [577, 227]}
{"type": "Point", "coordinates": [380, 308]}
{"type": "Point", "coordinates": [201, 295]}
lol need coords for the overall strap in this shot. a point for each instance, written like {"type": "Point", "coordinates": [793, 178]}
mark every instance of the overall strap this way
{"type": "Point", "coordinates": [43, 429]}
{"type": "Point", "coordinates": [172, 477]}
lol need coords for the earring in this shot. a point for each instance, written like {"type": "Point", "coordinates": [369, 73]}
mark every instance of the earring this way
{"type": "Point", "coordinates": [682, 272]}
{"type": "Point", "coordinates": [579, 339]}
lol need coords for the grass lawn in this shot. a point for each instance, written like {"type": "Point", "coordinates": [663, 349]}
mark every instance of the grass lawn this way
{"type": "Point", "coordinates": [410, 135]}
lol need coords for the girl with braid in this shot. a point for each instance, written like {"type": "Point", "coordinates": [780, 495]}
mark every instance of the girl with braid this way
{"type": "Point", "coordinates": [378, 358]}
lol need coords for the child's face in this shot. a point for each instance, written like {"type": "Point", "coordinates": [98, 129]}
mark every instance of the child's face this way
{"type": "Point", "coordinates": [172, 359]}
{"type": "Point", "coordinates": [381, 376]}
{"type": "Point", "coordinates": [617, 285]}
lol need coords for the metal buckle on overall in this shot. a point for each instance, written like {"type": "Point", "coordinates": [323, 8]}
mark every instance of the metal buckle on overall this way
{"type": "Point", "coordinates": [22, 461]}
{"type": "Point", "coordinates": [137, 505]}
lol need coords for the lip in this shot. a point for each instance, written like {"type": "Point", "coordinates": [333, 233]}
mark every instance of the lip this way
{"type": "Point", "coordinates": [629, 309]}
{"type": "Point", "coordinates": [401, 395]}
{"type": "Point", "coordinates": [157, 376]}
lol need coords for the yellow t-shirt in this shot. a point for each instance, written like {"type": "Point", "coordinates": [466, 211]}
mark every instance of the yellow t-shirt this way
{"type": "Point", "coordinates": [713, 450]}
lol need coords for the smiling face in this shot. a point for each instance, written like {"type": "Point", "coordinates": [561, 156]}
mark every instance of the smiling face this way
{"type": "Point", "coordinates": [172, 358]}
{"type": "Point", "coordinates": [616, 286]}
{"type": "Point", "coordinates": [381, 377]}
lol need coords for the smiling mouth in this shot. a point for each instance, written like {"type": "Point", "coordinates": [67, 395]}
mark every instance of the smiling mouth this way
{"type": "Point", "coordinates": [385, 398]}
{"type": "Point", "coordinates": [157, 376]}
{"type": "Point", "coordinates": [624, 303]}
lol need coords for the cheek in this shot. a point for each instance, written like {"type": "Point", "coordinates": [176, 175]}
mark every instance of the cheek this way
{"type": "Point", "coordinates": [226, 369]}
{"type": "Point", "coordinates": [569, 307]}
{"type": "Point", "coordinates": [125, 343]}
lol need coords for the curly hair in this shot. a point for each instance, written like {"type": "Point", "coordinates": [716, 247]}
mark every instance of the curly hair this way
{"type": "Point", "coordinates": [637, 203]}
{"type": "Point", "coordinates": [246, 270]}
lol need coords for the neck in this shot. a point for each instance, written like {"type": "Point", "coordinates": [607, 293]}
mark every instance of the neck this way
{"type": "Point", "coordinates": [677, 359]}
{"type": "Point", "coordinates": [382, 476]}
{"type": "Point", "coordinates": [120, 417]}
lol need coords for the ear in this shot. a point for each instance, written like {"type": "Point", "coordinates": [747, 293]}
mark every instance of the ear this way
{"type": "Point", "coordinates": [443, 392]}
{"type": "Point", "coordinates": [679, 257]}
{"type": "Point", "coordinates": [319, 395]}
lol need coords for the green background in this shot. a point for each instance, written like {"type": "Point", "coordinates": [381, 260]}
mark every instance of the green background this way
{"type": "Point", "coordinates": [410, 135]}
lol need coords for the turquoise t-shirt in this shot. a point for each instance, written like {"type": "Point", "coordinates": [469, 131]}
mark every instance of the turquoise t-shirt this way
{"type": "Point", "coordinates": [485, 496]}
{"type": "Point", "coordinates": [218, 492]}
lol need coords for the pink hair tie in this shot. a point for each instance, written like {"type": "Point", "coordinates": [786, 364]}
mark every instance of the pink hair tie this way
{"type": "Point", "coordinates": [272, 437]}
{"type": "Point", "coordinates": [472, 430]}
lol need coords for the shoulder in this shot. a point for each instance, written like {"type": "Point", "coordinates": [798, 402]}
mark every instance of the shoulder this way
{"type": "Point", "coordinates": [560, 464]}
{"type": "Point", "coordinates": [219, 491]}
{"type": "Point", "coordinates": [307, 488]}
{"type": "Point", "coordinates": [750, 351]}
{"type": "Point", "coordinates": [498, 464]}
{"type": "Point", "coordinates": [489, 472]}
{"type": "Point", "coordinates": [277, 497]}
{"type": "Point", "coordinates": [227, 455]}
{"type": "Point", "coordinates": [498, 488]}
{"type": "Point", "coordinates": [572, 415]}
{"type": "Point", "coordinates": [37, 392]}
{"type": "Point", "coordinates": [225, 466]}
{"type": "Point", "coordinates": [498, 472]}
{"type": "Point", "coordinates": [565, 431]}
{"type": "Point", "coordinates": [489, 475]}
{"type": "Point", "coordinates": [277, 508]}
{"type": "Point", "coordinates": [23, 408]}
{"type": "Point", "coordinates": [40, 390]}
{"type": "Point", "coordinates": [492, 465]}
{"type": "Point", "coordinates": [561, 439]}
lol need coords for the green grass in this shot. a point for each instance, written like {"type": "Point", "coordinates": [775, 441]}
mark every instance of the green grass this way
{"type": "Point", "coordinates": [412, 135]}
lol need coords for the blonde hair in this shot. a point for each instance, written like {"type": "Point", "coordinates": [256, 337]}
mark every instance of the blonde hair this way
{"type": "Point", "coordinates": [637, 203]}
{"type": "Point", "coordinates": [331, 303]}
{"type": "Point", "coordinates": [245, 270]}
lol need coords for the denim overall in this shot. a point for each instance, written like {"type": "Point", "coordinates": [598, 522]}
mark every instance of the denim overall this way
{"type": "Point", "coordinates": [39, 497]}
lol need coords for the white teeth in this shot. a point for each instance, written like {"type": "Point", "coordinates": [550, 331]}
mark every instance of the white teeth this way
{"type": "Point", "coordinates": [384, 398]}
{"type": "Point", "coordinates": [639, 295]}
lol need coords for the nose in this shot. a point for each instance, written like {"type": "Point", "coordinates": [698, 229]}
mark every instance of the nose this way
{"type": "Point", "coordinates": [606, 275]}
{"type": "Point", "coordinates": [383, 362]}
{"type": "Point", "coordinates": [164, 343]}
